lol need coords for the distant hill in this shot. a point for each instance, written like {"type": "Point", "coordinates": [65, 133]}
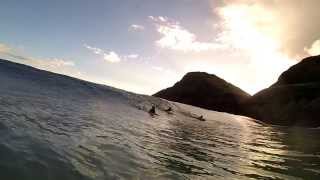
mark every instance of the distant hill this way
{"type": "Point", "coordinates": [293, 100]}
{"type": "Point", "coordinates": [207, 91]}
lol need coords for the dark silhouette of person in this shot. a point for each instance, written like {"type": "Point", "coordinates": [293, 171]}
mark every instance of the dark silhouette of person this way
{"type": "Point", "coordinates": [152, 110]}
{"type": "Point", "coordinates": [201, 118]}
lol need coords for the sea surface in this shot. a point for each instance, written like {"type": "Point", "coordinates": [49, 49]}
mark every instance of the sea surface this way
{"type": "Point", "coordinates": [66, 137]}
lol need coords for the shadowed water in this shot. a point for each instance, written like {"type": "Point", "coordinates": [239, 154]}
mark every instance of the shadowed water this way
{"type": "Point", "coordinates": [115, 138]}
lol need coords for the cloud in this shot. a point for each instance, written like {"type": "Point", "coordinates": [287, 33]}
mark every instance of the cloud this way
{"type": "Point", "coordinates": [110, 56]}
{"type": "Point", "coordinates": [4, 49]}
{"type": "Point", "coordinates": [94, 49]}
{"type": "Point", "coordinates": [159, 19]}
{"type": "Point", "coordinates": [176, 37]}
{"type": "Point", "coordinates": [289, 23]}
{"type": "Point", "coordinates": [314, 49]}
{"type": "Point", "coordinates": [254, 31]}
{"type": "Point", "coordinates": [56, 65]}
{"type": "Point", "coordinates": [157, 68]}
{"type": "Point", "coordinates": [136, 27]}
{"type": "Point", "coordinates": [132, 56]}
{"type": "Point", "coordinates": [53, 63]}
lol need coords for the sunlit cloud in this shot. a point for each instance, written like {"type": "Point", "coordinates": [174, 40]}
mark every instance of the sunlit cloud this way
{"type": "Point", "coordinates": [247, 28]}
{"type": "Point", "coordinates": [4, 48]}
{"type": "Point", "coordinates": [160, 19]}
{"type": "Point", "coordinates": [136, 27]}
{"type": "Point", "coordinates": [111, 57]}
{"type": "Point", "coordinates": [157, 68]}
{"type": "Point", "coordinates": [176, 37]}
{"type": "Point", "coordinates": [290, 22]}
{"type": "Point", "coordinates": [132, 56]}
{"type": "Point", "coordinates": [314, 49]}
{"type": "Point", "coordinates": [94, 49]}
{"type": "Point", "coordinates": [54, 63]}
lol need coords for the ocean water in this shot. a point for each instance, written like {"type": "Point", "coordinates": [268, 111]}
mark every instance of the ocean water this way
{"type": "Point", "coordinates": [61, 136]}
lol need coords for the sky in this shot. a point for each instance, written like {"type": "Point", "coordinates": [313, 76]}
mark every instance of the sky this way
{"type": "Point", "coordinates": [144, 46]}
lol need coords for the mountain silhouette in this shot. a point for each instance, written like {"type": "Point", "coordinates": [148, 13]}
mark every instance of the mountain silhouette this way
{"type": "Point", "coordinates": [206, 91]}
{"type": "Point", "coordinates": [293, 100]}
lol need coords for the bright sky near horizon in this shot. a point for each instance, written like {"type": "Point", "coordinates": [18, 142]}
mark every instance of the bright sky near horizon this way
{"type": "Point", "coordinates": [144, 46]}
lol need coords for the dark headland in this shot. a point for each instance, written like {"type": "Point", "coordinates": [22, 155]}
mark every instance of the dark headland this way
{"type": "Point", "coordinates": [294, 100]}
{"type": "Point", "coordinates": [206, 91]}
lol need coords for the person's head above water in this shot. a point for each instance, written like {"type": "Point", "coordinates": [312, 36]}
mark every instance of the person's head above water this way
{"type": "Point", "coordinates": [153, 109]}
